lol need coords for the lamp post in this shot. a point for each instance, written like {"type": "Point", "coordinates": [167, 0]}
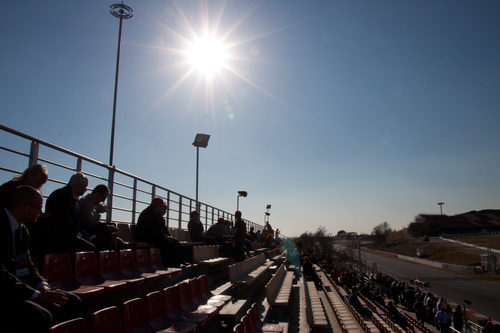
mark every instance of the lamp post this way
{"type": "Point", "coordinates": [267, 213]}
{"type": "Point", "coordinates": [201, 140]}
{"type": "Point", "coordinates": [240, 194]}
{"type": "Point", "coordinates": [122, 12]}
{"type": "Point", "coordinates": [441, 206]}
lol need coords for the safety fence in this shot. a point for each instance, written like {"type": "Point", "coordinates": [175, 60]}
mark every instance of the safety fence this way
{"type": "Point", "coordinates": [130, 194]}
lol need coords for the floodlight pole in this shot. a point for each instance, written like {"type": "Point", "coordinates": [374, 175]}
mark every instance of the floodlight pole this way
{"type": "Point", "coordinates": [122, 12]}
{"type": "Point", "coordinates": [441, 206]}
{"type": "Point", "coordinates": [201, 140]}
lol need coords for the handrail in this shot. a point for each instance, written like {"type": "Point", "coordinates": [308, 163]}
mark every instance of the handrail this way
{"type": "Point", "coordinates": [177, 202]}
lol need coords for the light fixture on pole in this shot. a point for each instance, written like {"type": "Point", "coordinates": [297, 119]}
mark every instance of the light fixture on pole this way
{"type": "Point", "coordinates": [441, 206]}
{"type": "Point", "coordinates": [267, 213]}
{"type": "Point", "coordinates": [122, 12]}
{"type": "Point", "coordinates": [201, 140]}
{"type": "Point", "coordinates": [240, 194]}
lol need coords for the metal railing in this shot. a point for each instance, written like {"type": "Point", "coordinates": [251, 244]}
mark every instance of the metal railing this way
{"type": "Point", "coordinates": [129, 195]}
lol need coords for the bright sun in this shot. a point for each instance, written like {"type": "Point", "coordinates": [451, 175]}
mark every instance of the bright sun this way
{"type": "Point", "coordinates": [207, 55]}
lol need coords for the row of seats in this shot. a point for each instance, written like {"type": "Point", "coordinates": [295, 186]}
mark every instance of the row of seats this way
{"type": "Point", "coordinates": [251, 323]}
{"type": "Point", "coordinates": [315, 313]}
{"type": "Point", "coordinates": [279, 288]}
{"type": "Point", "coordinates": [249, 270]}
{"type": "Point", "coordinates": [209, 255]}
{"type": "Point", "coordinates": [89, 276]}
{"type": "Point", "coordinates": [183, 307]}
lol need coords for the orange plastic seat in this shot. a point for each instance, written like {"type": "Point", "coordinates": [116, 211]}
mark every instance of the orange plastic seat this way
{"type": "Point", "coordinates": [188, 304]}
{"type": "Point", "coordinates": [196, 292]}
{"type": "Point", "coordinates": [134, 317]}
{"type": "Point", "coordinates": [174, 310]}
{"type": "Point", "coordinates": [87, 273]}
{"type": "Point", "coordinates": [58, 270]}
{"type": "Point", "coordinates": [106, 321]}
{"type": "Point", "coordinates": [128, 266]}
{"type": "Point", "coordinates": [110, 270]}
{"type": "Point", "coordinates": [239, 328]}
{"type": "Point", "coordinates": [77, 325]}
{"type": "Point", "coordinates": [157, 315]}
{"type": "Point", "coordinates": [143, 260]}
{"type": "Point", "coordinates": [207, 294]}
{"type": "Point", "coordinates": [156, 263]}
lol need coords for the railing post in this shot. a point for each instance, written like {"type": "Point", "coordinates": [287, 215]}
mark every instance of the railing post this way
{"type": "Point", "coordinates": [153, 192]}
{"type": "Point", "coordinates": [180, 213]}
{"type": "Point", "coordinates": [79, 165]}
{"type": "Point", "coordinates": [134, 201]}
{"type": "Point", "coordinates": [35, 146]}
{"type": "Point", "coordinates": [168, 210]}
{"type": "Point", "coordinates": [111, 181]}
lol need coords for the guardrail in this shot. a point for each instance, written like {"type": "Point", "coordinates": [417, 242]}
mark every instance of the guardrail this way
{"type": "Point", "coordinates": [130, 194]}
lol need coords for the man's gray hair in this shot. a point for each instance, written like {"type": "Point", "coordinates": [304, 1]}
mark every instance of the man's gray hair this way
{"type": "Point", "coordinates": [78, 179]}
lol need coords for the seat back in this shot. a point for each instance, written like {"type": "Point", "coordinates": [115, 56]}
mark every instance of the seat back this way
{"type": "Point", "coordinates": [106, 320]}
{"type": "Point", "coordinates": [125, 232]}
{"type": "Point", "coordinates": [205, 289]}
{"type": "Point", "coordinates": [171, 296]}
{"type": "Point", "coordinates": [77, 325]}
{"type": "Point", "coordinates": [239, 328]}
{"type": "Point", "coordinates": [134, 317]}
{"type": "Point", "coordinates": [195, 285]}
{"type": "Point", "coordinates": [86, 269]}
{"type": "Point", "coordinates": [155, 257]}
{"type": "Point", "coordinates": [185, 296]}
{"type": "Point", "coordinates": [128, 266]}
{"type": "Point", "coordinates": [58, 269]}
{"type": "Point", "coordinates": [143, 261]}
{"type": "Point", "coordinates": [108, 265]}
{"type": "Point", "coordinates": [247, 326]}
{"type": "Point", "coordinates": [156, 311]}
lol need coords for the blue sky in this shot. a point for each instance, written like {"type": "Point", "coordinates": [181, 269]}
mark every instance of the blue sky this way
{"type": "Point", "coordinates": [342, 114]}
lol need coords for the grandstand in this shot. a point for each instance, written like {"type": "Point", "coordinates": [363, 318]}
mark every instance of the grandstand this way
{"type": "Point", "coordinates": [130, 291]}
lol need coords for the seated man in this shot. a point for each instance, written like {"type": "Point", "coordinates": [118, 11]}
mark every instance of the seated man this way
{"type": "Point", "coordinates": [151, 228]}
{"type": "Point", "coordinates": [252, 236]}
{"type": "Point", "coordinates": [102, 235]}
{"type": "Point", "coordinates": [29, 304]}
{"type": "Point", "coordinates": [222, 237]}
{"type": "Point", "coordinates": [195, 228]}
{"type": "Point", "coordinates": [62, 232]}
{"type": "Point", "coordinates": [353, 299]}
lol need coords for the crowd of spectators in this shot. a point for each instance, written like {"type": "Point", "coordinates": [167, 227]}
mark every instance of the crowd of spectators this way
{"type": "Point", "coordinates": [71, 222]}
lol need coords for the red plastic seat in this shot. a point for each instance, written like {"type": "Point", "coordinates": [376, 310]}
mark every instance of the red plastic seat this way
{"type": "Point", "coordinates": [77, 325]}
{"type": "Point", "coordinates": [156, 263]}
{"type": "Point", "coordinates": [157, 315]}
{"type": "Point", "coordinates": [239, 328]}
{"type": "Point", "coordinates": [128, 266]}
{"type": "Point", "coordinates": [196, 293]}
{"type": "Point", "coordinates": [207, 294]}
{"type": "Point", "coordinates": [143, 261]}
{"type": "Point", "coordinates": [110, 270]}
{"type": "Point", "coordinates": [87, 273]}
{"type": "Point", "coordinates": [174, 310]}
{"type": "Point", "coordinates": [188, 304]}
{"type": "Point", "coordinates": [106, 321]}
{"type": "Point", "coordinates": [58, 271]}
{"type": "Point", "coordinates": [134, 317]}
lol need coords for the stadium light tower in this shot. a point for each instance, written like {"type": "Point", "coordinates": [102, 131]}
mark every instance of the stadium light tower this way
{"type": "Point", "coordinates": [441, 206]}
{"type": "Point", "coordinates": [122, 12]}
{"type": "Point", "coordinates": [201, 140]}
{"type": "Point", "coordinates": [240, 194]}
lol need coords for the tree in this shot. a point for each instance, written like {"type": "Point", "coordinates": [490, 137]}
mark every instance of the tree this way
{"type": "Point", "coordinates": [380, 232]}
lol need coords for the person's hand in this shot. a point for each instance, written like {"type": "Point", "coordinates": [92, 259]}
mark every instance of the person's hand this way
{"type": "Point", "coordinates": [101, 208]}
{"type": "Point", "coordinates": [51, 297]}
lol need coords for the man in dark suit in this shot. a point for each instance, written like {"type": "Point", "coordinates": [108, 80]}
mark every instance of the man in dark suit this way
{"type": "Point", "coordinates": [62, 231]}
{"type": "Point", "coordinates": [28, 301]}
{"type": "Point", "coordinates": [151, 228]}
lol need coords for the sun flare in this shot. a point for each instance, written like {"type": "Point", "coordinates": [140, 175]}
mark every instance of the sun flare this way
{"type": "Point", "coordinates": [207, 55]}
